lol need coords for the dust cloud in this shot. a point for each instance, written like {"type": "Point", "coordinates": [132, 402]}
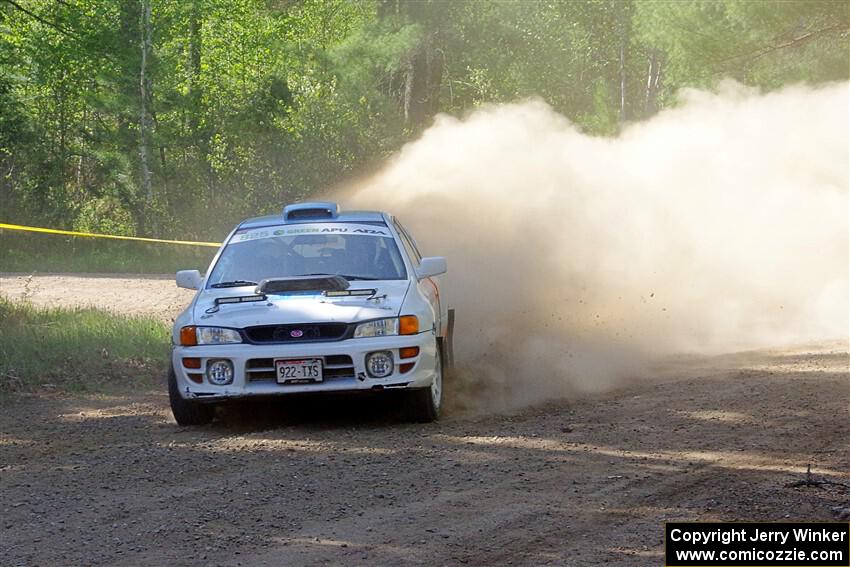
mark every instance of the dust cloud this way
{"type": "Point", "coordinates": [575, 261]}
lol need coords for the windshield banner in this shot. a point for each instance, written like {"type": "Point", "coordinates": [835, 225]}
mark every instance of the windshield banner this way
{"type": "Point", "coordinates": [318, 228]}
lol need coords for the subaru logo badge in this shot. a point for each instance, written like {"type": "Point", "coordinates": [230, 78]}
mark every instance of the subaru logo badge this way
{"type": "Point", "coordinates": [296, 333]}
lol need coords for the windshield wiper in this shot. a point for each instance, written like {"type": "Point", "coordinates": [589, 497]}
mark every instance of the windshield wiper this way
{"type": "Point", "coordinates": [346, 276]}
{"type": "Point", "coordinates": [234, 283]}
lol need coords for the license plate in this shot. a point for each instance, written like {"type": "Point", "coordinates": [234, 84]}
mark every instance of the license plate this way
{"type": "Point", "coordinates": [299, 371]}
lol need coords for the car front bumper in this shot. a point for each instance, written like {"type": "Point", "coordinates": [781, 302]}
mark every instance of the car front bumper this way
{"type": "Point", "coordinates": [344, 364]}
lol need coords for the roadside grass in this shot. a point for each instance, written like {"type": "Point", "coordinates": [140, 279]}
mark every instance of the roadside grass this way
{"type": "Point", "coordinates": [78, 350]}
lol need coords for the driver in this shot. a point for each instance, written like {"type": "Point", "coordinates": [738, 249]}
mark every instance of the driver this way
{"type": "Point", "coordinates": [359, 255]}
{"type": "Point", "coordinates": [273, 258]}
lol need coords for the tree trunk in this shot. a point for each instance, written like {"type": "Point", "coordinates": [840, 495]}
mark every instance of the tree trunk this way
{"type": "Point", "coordinates": [653, 80]}
{"type": "Point", "coordinates": [434, 73]}
{"type": "Point", "coordinates": [423, 76]}
{"type": "Point", "coordinates": [195, 46]}
{"type": "Point", "coordinates": [78, 177]}
{"type": "Point", "coordinates": [63, 136]}
{"type": "Point", "coordinates": [164, 176]}
{"type": "Point", "coordinates": [622, 82]}
{"type": "Point", "coordinates": [407, 95]}
{"type": "Point", "coordinates": [624, 34]}
{"type": "Point", "coordinates": [144, 106]}
{"type": "Point", "coordinates": [621, 31]}
{"type": "Point", "coordinates": [200, 141]}
{"type": "Point", "coordinates": [423, 71]}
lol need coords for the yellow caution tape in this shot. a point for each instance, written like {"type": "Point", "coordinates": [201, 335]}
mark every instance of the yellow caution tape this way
{"type": "Point", "coordinates": [114, 236]}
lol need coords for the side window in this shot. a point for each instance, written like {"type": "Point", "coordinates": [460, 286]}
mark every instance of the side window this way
{"type": "Point", "coordinates": [409, 246]}
{"type": "Point", "coordinates": [390, 253]}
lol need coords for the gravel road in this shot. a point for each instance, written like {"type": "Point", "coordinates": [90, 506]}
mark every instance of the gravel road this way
{"type": "Point", "coordinates": [111, 480]}
{"type": "Point", "coordinates": [154, 295]}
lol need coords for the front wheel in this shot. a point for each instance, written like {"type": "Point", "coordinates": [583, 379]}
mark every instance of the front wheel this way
{"type": "Point", "coordinates": [186, 412]}
{"type": "Point", "coordinates": [424, 404]}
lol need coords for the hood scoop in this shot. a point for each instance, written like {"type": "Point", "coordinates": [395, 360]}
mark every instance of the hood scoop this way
{"type": "Point", "coordinates": [296, 284]}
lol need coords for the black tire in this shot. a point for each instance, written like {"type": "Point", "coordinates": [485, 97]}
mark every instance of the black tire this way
{"type": "Point", "coordinates": [186, 412]}
{"type": "Point", "coordinates": [421, 404]}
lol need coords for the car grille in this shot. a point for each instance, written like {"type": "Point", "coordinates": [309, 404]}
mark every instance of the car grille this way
{"type": "Point", "coordinates": [308, 332]}
{"type": "Point", "coordinates": [334, 367]}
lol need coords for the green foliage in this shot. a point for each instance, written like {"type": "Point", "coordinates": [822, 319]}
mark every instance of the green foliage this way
{"type": "Point", "coordinates": [105, 215]}
{"type": "Point", "coordinates": [763, 43]}
{"type": "Point", "coordinates": [252, 103]}
{"type": "Point", "coordinates": [78, 348]}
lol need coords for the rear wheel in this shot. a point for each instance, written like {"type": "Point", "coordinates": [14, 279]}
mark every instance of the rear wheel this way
{"type": "Point", "coordinates": [186, 412]}
{"type": "Point", "coordinates": [424, 404]}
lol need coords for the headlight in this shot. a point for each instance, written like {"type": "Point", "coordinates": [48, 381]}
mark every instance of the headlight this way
{"type": "Point", "coordinates": [379, 328]}
{"type": "Point", "coordinates": [217, 336]}
{"type": "Point", "coordinates": [404, 325]}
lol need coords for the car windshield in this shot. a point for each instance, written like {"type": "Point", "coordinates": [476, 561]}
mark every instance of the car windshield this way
{"type": "Point", "coordinates": [354, 251]}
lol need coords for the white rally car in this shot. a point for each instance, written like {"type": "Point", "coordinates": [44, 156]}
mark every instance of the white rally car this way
{"type": "Point", "coordinates": [313, 300]}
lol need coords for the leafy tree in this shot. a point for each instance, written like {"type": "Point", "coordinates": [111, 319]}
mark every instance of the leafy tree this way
{"type": "Point", "coordinates": [768, 44]}
{"type": "Point", "coordinates": [142, 116]}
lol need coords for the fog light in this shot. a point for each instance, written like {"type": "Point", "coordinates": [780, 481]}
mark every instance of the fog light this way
{"type": "Point", "coordinates": [220, 372]}
{"type": "Point", "coordinates": [379, 364]}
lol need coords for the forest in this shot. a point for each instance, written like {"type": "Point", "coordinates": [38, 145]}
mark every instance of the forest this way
{"type": "Point", "coordinates": [138, 117]}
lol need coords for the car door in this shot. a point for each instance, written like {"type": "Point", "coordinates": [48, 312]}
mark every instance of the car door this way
{"type": "Point", "coordinates": [428, 287]}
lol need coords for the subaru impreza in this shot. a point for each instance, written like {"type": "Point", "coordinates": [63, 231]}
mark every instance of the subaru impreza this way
{"type": "Point", "coordinates": [314, 300]}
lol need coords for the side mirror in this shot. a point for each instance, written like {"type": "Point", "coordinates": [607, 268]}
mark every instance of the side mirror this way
{"type": "Point", "coordinates": [433, 266]}
{"type": "Point", "coordinates": [189, 279]}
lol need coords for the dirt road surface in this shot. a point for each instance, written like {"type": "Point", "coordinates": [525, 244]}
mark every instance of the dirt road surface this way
{"type": "Point", "coordinates": [111, 480]}
{"type": "Point", "coordinates": [157, 296]}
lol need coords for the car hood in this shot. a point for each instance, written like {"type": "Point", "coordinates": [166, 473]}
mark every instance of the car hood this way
{"type": "Point", "coordinates": [300, 307]}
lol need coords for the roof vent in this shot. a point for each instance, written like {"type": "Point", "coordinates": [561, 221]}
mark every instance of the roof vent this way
{"type": "Point", "coordinates": [304, 211]}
